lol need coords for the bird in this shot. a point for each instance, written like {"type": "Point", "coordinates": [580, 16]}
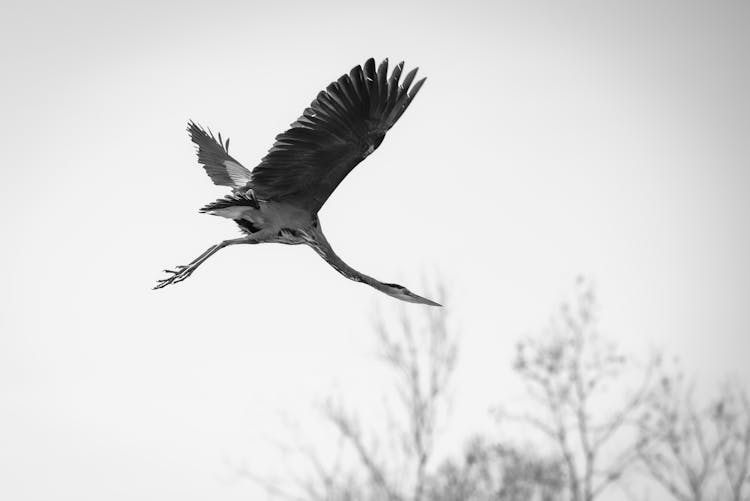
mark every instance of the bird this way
{"type": "Point", "coordinates": [278, 201]}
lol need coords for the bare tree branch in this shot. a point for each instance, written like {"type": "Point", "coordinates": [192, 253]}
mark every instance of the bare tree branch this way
{"type": "Point", "coordinates": [568, 369]}
{"type": "Point", "coordinates": [421, 357]}
{"type": "Point", "coordinates": [349, 430]}
{"type": "Point", "coordinates": [691, 449]}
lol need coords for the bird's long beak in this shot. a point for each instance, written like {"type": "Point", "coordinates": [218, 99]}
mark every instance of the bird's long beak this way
{"type": "Point", "coordinates": [413, 298]}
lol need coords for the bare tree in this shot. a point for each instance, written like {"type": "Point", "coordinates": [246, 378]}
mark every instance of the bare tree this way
{"type": "Point", "coordinates": [731, 417]}
{"type": "Point", "coordinates": [421, 357]}
{"type": "Point", "coordinates": [697, 452]}
{"type": "Point", "coordinates": [419, 351]}
{"type": "Point", "coordinates": [493, 472]}
{"type": "Point", "coordinates": [570, 371]}
{"type": "Point", "coordinates": [604, 414]}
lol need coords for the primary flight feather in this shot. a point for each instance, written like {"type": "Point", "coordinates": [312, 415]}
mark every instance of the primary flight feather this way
{"type": "Point", "coordinates": [279, 200]}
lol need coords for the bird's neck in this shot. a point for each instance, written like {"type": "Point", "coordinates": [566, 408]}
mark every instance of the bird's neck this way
{"type": "Point", "coordinates": [323, 248]}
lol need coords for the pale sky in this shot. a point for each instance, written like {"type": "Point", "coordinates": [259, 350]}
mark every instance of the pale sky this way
{"type": "Point", "coordinates": [550, 139]}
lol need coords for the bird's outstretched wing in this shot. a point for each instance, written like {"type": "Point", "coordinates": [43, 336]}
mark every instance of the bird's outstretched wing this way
{"type": "Point", "coordinates": [343, 125]}
{"type": "Point", "coordinates": [214, 156]}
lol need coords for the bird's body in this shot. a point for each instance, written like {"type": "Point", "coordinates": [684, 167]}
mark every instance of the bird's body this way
{"type": "Point", "coordinates": [274, 219]}
{"type": "Point", "coordinates": [279, 200]}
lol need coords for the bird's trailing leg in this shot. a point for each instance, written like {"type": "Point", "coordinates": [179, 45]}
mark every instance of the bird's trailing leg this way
{"type": "Point", "coordinates": [182, 272]}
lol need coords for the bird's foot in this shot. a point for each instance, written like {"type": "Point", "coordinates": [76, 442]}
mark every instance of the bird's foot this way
{"type": "Point", "coordinates": [177, 275]}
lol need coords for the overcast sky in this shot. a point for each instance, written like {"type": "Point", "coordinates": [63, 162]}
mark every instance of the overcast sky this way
{"type": "Point", "coordinates": [551, 139]}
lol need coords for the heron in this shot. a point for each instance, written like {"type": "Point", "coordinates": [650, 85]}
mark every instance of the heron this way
{"type": "Point", "coordinates": [279, 200]}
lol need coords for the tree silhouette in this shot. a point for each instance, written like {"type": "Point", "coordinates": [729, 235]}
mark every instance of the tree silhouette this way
{"type": "Point", "coordinates": [494, 472]}
{"type": "Point", "coordinates": [602, 415]}
{"type": "Point", "coordinates": [697, 452]}
{"type": "Point", "coordinates": [419, 352]}
{"type": "Point", "coordinates": [577, 382]}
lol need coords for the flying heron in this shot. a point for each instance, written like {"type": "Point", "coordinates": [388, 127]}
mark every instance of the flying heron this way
{"type": "Point", "coordinates": [279, 200]}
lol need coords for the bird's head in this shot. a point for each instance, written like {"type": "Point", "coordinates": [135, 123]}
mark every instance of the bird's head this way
{"type": "Point", "coordinates": [404, 294]}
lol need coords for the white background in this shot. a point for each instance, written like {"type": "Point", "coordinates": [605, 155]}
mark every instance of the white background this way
{"type": "Point", "coordinates": [550, 139]}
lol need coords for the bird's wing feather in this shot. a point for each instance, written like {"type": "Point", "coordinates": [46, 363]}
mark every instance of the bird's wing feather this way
{"type": "Point", "coordinates": [214, 156]}
{"type": "Point", "coordinates": [342, 126]}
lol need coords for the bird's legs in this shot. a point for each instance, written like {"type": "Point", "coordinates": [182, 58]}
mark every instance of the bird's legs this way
{"type": "Point", "coordinates": [182, 272]}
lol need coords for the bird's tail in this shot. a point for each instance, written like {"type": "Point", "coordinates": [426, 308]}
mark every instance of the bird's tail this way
{"type": "Point", "coordinates": [232, 205]}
